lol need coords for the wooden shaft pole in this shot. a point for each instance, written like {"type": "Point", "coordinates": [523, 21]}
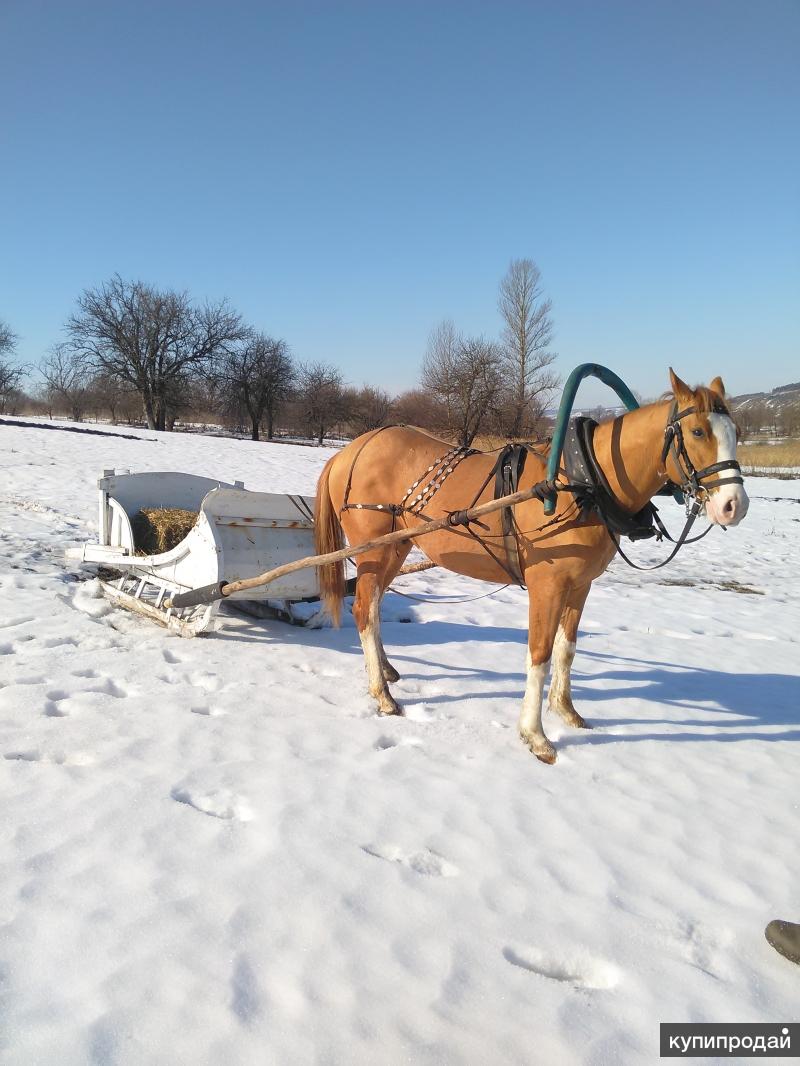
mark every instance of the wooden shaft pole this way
{"type": "Point", "coordinates": [416, 568]}
{"type": "Point", "coordinates": [397, 537]}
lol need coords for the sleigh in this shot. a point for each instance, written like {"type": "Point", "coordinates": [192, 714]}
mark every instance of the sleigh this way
{"type": "Point", "coordinates": [237, 534]}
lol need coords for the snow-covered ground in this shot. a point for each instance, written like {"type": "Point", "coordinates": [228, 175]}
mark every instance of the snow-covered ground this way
{"type": "Point", "coordinates": [213, 851]}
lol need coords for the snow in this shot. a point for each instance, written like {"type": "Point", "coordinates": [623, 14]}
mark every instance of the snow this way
{"type": "Point", "coordinates": [213, 851]}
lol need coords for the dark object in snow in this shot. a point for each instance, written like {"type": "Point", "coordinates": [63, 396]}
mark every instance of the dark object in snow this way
{"type": "Point", "coordinates": [785, 938]}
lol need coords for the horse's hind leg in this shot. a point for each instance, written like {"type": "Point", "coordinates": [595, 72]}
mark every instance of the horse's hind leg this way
{"type": "Point", "coordinates": [397, 557]}
{"type": "Point", "coordinates": [560, 696]}
{"type": "Point", "coordinates": [375, 572]}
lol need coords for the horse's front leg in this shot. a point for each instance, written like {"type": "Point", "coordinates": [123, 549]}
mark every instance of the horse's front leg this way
{"type": "Point", "coordinates": [560, 694]}
{"type": "Point", "coordinates": [546, 600]}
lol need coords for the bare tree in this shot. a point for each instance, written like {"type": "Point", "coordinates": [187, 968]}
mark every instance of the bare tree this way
{"type": "Point", "coordinates": [464, 374]}
{"type": "Point", "coordinates": [321, 397]}
{"type": "Point", "coordinates": [151, 339]}
{"type": "Point", "coordinates": [526, 355]}
{"type": "Point", "coordinates": [11, 373]}
{"type": "Point", "coordinates": [259, 375]}
{"type": "Point", "coordinates": [67, 379]}
{"type": "Point", "coordinates": [369, 408]}
{"type": "Point", "coordinates": [439, 376]}
{"type": "Point", "coordinates": [107, 393]}
{"type": "Point", "coordinates": [418, 407]}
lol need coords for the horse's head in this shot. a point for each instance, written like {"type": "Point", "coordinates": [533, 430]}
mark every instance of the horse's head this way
{"type": "Point", "coordinates": [704, 433]}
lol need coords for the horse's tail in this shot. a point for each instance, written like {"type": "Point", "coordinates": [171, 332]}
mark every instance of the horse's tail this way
{"type": "Point", "coordinates": [329, 537]}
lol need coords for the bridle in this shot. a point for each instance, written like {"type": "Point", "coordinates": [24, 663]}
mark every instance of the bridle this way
{"type": "Point", "coordinates": [692, 481]}
{"type": "Point", "coordinates": [692, 485]}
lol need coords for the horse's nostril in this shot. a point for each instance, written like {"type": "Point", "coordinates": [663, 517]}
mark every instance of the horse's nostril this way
{"type": "Point", "coordinates": [729, 507]}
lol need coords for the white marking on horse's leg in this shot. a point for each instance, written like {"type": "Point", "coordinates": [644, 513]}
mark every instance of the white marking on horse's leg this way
{"type": "Point", "coordinates": [563, 654]}
{"type": "Point", "coordinates": [560, 694]}
{"type": "Point", "coordinates": [530, 718]}
{"type": "Point", "coordinates": [728, 505]}
{"type": "Point", "coordinates": [371, 643]}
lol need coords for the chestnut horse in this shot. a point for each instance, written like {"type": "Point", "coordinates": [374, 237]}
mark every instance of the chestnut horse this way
{"type": "Point", "coordinates": [558, 559]}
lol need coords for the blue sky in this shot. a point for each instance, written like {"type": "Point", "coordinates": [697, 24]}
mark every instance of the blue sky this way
{"type": "Point", "coordinates": [348, 174]}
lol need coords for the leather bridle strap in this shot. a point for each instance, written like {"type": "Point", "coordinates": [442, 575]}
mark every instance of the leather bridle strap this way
{"type": "Point", "coordinates": [691, 478]}
{"type": "Point", "coordinates": [679, 543]}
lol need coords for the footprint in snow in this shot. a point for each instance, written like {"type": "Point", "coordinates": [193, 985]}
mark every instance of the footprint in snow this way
{"type": "Point", "coordinates": [386, 743]}
{"type": "Point", "coordinates": [246, 999]}
{"type": "Point", "coordinates": [422, 862]}
{"type": "Point", "coordinates": [53, 704]}
{"type": "Point", "coordinates": [218, 803]}
{"type": "Point", "coordinates": [577, 969]}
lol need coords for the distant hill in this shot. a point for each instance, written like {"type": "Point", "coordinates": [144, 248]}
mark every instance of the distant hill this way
{"type": "Point", "coordinates": [780, 397]}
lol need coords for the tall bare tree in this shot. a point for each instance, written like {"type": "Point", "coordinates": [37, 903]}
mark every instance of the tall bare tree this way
{"type": "Point", "coordinates": [11, 373]}
{"type": "Point", "coordinates": [259, 374]}
{"type": "Point", "coordinates": [526, 355]}
{"type": "Point", "coordinates": [67, 379]}
{"type": "Point", "coordinates": [322, 398]}
{"type": "Point", "coordinates": [151, 339]}
{"type": "Point", "coordinates": [463, 373]}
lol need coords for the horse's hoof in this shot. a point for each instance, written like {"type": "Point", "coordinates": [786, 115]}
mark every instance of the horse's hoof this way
{"type": "Point", "coordinates": [389, 706]}
{"type": "Point", "coordinates": [545, 753]}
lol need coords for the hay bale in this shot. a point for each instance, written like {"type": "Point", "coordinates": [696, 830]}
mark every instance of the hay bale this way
{"type": "Point", "coordinates": [158, 529]}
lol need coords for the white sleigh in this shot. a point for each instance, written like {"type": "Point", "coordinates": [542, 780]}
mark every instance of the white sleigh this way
{"type": "Point", "coordinates": [238, 534]}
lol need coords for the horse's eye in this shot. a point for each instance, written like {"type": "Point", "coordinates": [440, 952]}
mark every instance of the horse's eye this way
{"type": "Point", "coordinates": [698, 433]}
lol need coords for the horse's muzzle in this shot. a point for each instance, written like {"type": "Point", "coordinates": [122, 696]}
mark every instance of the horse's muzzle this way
{"type": "Point", "coordinates": [727, 508]}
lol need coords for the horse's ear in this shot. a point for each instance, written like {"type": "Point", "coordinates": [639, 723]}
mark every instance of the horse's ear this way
{"type": "Point", "coordinates": [718, 387]}
{"type": "Point", "coordinates": [679, 388]}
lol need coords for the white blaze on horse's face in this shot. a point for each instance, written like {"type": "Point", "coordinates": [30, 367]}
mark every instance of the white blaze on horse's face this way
{"type": "Point", "coordinates": [728, 505]}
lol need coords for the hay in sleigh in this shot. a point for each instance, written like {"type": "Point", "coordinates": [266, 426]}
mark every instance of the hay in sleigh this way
{"type": "Point", "coordinates": [159, 529]}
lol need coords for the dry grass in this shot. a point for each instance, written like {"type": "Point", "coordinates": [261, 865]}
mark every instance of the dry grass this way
{"type": "Point", "coordinates": [769, 456]}
{"type": "Point", "coordinates": [158, 529]}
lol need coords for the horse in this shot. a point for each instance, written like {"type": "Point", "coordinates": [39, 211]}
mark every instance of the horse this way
{"type": "Point", "coordinates": [400, 476]}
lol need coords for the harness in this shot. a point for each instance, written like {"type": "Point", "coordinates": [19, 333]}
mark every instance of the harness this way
{"type": "Point", "coordinates": [593, 493]}
{"type": "Point", "coordinates": [586, 481]}
{"type": "Point", "coordinates": [506, 473]}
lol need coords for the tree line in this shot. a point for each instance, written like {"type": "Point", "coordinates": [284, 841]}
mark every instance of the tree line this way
{"type": "Point", "coordinates": [132, 352]}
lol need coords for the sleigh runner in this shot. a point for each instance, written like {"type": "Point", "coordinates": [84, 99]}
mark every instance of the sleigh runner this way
{"type": "Point", "coordinates": [237, 533]}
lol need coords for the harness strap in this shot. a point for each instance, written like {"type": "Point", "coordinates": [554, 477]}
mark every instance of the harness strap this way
{"type": "Point", "coordinates": [509, 470]}
{"type": "Point", "coordinates": [679, 543]}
